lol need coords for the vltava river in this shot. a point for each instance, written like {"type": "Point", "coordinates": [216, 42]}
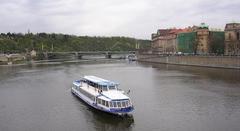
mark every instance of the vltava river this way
{"type": "Point", "coordinates": [165, 97]}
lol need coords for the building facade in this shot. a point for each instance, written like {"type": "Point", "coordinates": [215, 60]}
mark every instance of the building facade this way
{"type": "Point", "coordinates": [192, 40]}
{"type": "Point", "coordinates": [186, 42]}
{"type": "Point", "coordinates": [165, 41]}
{"type": "Point", "coordinates": [160, 40]}
{"type": "Point", "coordinates": [216, 42]}
{"type": "Point", "coordinates": [202, 41]}
{"type": "Point", "coordinates": [232, 39]}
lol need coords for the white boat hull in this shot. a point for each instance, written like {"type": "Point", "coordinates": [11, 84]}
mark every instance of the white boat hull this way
{"type": "Point", "coordinates": [91, 103]}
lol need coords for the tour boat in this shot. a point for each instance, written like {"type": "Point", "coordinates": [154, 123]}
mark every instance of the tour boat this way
{"type": "Point", "coordinates": [103, 95]}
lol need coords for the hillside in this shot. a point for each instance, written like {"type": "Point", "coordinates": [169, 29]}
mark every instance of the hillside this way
{"type": "Point", "coordinates": [19, 43]}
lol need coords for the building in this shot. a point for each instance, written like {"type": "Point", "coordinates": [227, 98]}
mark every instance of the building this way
{"type": "Point", "coordinates": [165, 41]}
{"type": "Point", "coordinates": [191, 40]}
{"type": "Point", "coordinates": [216, 42]}
{"type": "Point", "coordinates": [202, 39]}
{"type": "Point", "coordinates": [186, 42]}
{"type": "Point", "coordinates": [232, 39]}
{"type": "Point", "coordinates": [159, 41]}
{"type": "Point", "coordinates": [209, 41]}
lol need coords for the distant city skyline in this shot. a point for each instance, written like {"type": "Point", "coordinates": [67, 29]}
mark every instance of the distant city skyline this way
{"type": "Point", "coordinates": [130, 18]}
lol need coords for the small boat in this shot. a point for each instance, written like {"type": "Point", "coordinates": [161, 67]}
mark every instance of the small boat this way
{"type": "Point", "coordinates": [132, 57]}
{"type": "Point", "coordinates": [103, 95]}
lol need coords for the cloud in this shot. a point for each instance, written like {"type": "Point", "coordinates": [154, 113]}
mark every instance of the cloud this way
{"type": "Point", "coordinates": [133, 18]}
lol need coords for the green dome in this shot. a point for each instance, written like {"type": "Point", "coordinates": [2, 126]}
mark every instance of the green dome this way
{"type": "Point", "coordinates": [203, 25]}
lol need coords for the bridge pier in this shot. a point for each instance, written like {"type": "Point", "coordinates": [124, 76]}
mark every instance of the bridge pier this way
{"type": "Point", "coordinates": [45, 55]}
{"type": "Point", "coordinates": [108, 55]}
{"type": "Point", "coordinates": [78, 55]}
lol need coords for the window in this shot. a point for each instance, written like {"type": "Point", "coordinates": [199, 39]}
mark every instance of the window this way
{"type": "Point", "coordinates": [119, 104]}
{"type": "Point", "coordinates": [115, 104]}
{"type": "Point", "coordinates": [127, 104]}
{"type": "Point", "coordinates": [111, 104]}
{"type": "Point", "coordinates": [104, 88]}
{"type": "Point", "coordinates": [99, 101]}
{"type": "Point", "coordinates": [103, 102]}
{"type": "Point", "coordinates": [107, 104]}
{"type": "Point", "coordinates": [229, 36]}
{"type": "Point", "coordinates": [90, 96]}
{"type": "Point", "coordinates": [112, 87]}
{"type": "Point", "coordinates": [238, 36]}
{"type": "Point", "coordinates": [123, 103]}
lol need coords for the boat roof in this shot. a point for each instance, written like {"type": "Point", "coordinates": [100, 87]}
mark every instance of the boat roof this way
{"type": "Point", "coordinates": [100, 81]}
{"type": "Point", "coordinates": [114, 95]}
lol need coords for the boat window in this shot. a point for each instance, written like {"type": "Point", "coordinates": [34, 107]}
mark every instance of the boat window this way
{"type": "Point", "coordinates": [112, 87]}
{"type": "Point", "coordinates": [104, 88]}
{"type": "Point", "coordinates": [91, 83]}
{"type": "Point", "coordinates": [126, 103]}
{"type": "Point", "coordinates": [103, 102]}
{"type": "Point", "coordinates": [107, 104]}
{"type": "Point", "coordinates": [111, 104]}
{"type": "Point", "coordinates": [123, 104]}
{"type": "Point", "coordinates": [99, 101]}
{"type": "Point", "coordinates": [115, 104]}
{"type": "Point", "coordinates": [86, 93]}
{"type": "Point", "coordinates": [119, 104]}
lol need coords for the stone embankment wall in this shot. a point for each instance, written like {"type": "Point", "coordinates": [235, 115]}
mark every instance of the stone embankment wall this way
{"type": "Point", "coordinates": [11, 59]}
{"type": "Point", "coordinates": [3, 58]}
{"type": "Point", "coordinates": [207, 61]}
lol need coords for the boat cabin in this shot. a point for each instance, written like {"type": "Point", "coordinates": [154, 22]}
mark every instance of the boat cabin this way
{"type": "Point", "coordinates": [100, 84]}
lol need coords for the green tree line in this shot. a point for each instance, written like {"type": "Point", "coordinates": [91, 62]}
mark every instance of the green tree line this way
{"type": "Point", "coordinates": [44, 42]}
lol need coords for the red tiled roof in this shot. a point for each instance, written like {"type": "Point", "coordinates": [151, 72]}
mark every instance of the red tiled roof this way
{"type": "Point", "coordinates": [163, 32]}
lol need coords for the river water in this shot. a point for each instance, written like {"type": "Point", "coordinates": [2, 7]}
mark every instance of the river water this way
{"type": "Point", "coordinates": [165, 97]}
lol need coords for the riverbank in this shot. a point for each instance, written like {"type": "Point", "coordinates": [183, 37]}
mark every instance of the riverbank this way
{"type": "Point", "coordinates": [10, 59]}
{"type": "Point", "coordinates": [232, 62]}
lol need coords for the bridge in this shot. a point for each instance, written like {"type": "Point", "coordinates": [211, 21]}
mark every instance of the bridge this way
{"type": "Point", "coordinates": [80, 54]}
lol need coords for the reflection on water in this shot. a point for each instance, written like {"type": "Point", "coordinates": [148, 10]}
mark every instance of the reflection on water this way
{"type": "Point", "coordinates": [228, 75]}
{"type": "Point", "coordinates": [102, 121]}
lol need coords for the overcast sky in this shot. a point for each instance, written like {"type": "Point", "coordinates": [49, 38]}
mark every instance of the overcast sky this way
{"type": "Point", "coordinates": [132, 18]}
